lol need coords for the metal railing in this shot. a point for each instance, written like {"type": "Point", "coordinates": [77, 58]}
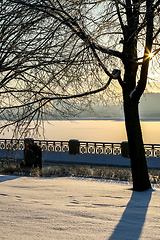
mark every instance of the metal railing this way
{"type": "Point", "coordinates": [151, 150]}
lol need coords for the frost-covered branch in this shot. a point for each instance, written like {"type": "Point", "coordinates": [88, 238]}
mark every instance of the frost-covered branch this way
{"type": "Point", "coordinates": [48, 99]}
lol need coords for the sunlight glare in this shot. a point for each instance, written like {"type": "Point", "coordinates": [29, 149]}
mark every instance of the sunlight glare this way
{"type": "Point", "coordinates": [151, 55]}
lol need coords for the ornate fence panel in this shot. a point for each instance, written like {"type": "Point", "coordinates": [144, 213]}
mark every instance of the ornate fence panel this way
{"type": "Point", "coordinates": [55, 146]}
{"type": "Point", "coordinates": [12, 144]}
{"type": "Point", "coordinates": [99, 148]}
{"type": "Point", "coordinates": [151, 150]}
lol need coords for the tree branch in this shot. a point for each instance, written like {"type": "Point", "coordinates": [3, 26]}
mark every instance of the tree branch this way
{"type": "Point", "coordinates": [157, 33]}
{"type": "Point", "coordinates": [120, 19]}
{"type": "Point", "coordinates": [74, 26]}
{"type": "Point", "coordinates": [48, 99]}
{"type": "Point", "coordinates": [139, 89]}
{"type": "Point", "coordinates": [106, 50]}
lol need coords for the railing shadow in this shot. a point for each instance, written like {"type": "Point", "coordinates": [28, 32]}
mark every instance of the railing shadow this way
{"type": "Point", "coordinates": [4, 178]}
{"type": "Point", "coordinates": [131, 224]}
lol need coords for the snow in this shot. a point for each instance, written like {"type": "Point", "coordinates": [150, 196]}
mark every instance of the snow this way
{"type": "Point", "coordinates": [76, 208]}
{"type": "Point", "coordinates": [73, 208]}
{"type": "Point", "coordinates": [87, 158]}
{"type": "Point", "coordinates": [98, 159]}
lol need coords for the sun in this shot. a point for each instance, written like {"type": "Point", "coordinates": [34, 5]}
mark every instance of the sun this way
{"type": "Point", "coordinates": [151, 55]}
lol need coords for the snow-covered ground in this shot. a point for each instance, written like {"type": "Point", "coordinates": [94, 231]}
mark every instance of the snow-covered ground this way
{"type": "Point", "coordinates": [76, 208]}
{"type": "Point", "coordinates": [97, 159]}
{"type": "Point", "coordinates": [65, 157]}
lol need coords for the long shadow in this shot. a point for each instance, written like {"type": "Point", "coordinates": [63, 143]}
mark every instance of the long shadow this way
{"type": "Point", "coordinates": [4, 178]}
{"type": "Point", "coordinates": [131, 224]}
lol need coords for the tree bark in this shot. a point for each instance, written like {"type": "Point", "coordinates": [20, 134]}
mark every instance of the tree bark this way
{"type": "Point", "coordinates": [131, 95]}
{"type": "Point", "coordinates": [135, 141]}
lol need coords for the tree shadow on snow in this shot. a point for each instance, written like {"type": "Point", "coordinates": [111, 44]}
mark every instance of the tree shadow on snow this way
{"type": "Point", "coordinates": [131, 224]}
{"type": "Point", "coordinates": [4, 178]}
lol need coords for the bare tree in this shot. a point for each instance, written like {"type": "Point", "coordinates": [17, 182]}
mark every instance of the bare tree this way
{"type": "Point", "coordinates": [56, 54]}
{"type": "Point", "coordinates": [35, 68]}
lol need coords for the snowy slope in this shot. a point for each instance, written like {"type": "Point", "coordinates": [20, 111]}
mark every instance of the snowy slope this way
{"type": "Point", "coordinates": [76, 208]}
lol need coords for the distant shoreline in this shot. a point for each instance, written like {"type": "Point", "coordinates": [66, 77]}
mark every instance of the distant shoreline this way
{"type": "Point", "coordinates": [142, 119]}
{"type": "Point", "coordinates": [120, 119]}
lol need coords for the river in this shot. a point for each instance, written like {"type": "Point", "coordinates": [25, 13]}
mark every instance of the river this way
{"type": "Point", "coordinates": [99, 130]}
{"type": "Point", "coordinates": [95, 131]}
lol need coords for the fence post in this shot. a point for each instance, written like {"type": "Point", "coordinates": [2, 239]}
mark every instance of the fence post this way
{"type": "Point", "coordinates": [125, 149]}
{"type": "Point", "coordinates": [73, 146]}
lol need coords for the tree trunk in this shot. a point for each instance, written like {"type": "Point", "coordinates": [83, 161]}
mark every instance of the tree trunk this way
{"type": "Point", "coordinates": [137, 153]}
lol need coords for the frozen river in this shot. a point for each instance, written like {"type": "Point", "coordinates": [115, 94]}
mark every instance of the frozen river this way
{"type": "Point", "coordinates": [95, 130]}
